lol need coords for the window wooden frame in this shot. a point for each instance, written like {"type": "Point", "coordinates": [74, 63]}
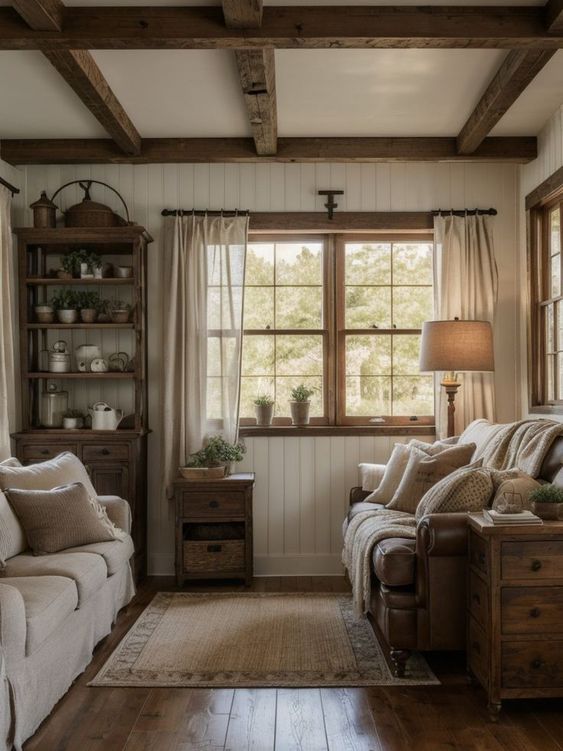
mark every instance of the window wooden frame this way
{"type": "Point", "coordinates": [334, 333]}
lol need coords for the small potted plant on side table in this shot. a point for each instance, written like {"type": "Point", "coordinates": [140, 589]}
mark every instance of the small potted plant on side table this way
{"type": "Point", "coordinates": [300, 404]}
{"type": "Point", "coordinates": [264, 409]}
{"type": "Point", "coordinates": [214, 460]}
{"type": "Point", "coordinates": [547, 502]}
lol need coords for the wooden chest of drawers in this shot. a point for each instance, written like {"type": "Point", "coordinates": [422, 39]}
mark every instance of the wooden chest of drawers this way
{"type": "Point", "coordinates": [515, 610]}
{"type": "Point", "coordinates": [214, 528]}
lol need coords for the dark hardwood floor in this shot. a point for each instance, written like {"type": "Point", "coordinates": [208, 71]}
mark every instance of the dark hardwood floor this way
{"type": "Point", "coordinates": [450, 717]}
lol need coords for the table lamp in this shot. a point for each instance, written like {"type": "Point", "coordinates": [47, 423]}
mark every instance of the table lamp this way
{"type": "Point", "coordinates": [453, 347]}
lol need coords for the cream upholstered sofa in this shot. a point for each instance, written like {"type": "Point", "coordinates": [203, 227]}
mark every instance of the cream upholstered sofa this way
{"type": "Point", "coordinates": [54, 609]}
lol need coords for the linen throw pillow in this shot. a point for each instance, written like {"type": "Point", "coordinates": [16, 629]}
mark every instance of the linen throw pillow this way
{"type": "Point", "coordinates": [11, 462]}
{"type": "Point", "coordinates": [423, 471]}
{"type": "Point", "coordinates": [392, 475]}
{"type": "Point", "coordinates": [57, 519]}
{"type": "Point", "coordinates": [64, 469]}
{"type": "Point", "coordinates": [12, 537]}
{"type": "Point", "coordinates": [466, 489]}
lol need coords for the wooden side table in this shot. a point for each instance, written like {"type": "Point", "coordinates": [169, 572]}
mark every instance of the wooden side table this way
{"type": "Point", "coordinates": [214, 528]}
{"type": "Point", "coordinates": [515, 609]}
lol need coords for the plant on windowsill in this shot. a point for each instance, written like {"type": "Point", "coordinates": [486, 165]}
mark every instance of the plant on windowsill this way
{"type": "Point", "coordinates": [547, 502]}
{"type": "Point", "coordinates": [214, 460]}
{"type": "Point", "coordinates": [300, 404]}
{"type": "Point", "coordinates": [264, 408]}
{"type": "Point", "coordinates": [65, 303]}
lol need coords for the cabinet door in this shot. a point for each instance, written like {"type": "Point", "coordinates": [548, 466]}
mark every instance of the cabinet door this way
{"type": "Point", "coordinates": [110, 479]}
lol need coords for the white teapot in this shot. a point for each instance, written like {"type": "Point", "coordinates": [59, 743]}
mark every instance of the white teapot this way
{"type": "Point", "coordinates": [104, 417]}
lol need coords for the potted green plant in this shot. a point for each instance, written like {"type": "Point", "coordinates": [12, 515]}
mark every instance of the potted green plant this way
{"type": "Point", "coordinates": [547, 502]}
{"type": "Point", "coordinates": [264, 409]}
{"type": "Point", "coordinates": [214, 459]}
{"type": "Point", "coordinates": [104, 307]}
{"type": "Point", "coordinates": [88, 303]}
{"type": "Point", "coordinates": [68, 266]}
{"type": "Point", "coordinates": [119, 311]}
{"type": "Point", "coordinates": [65, 303]}
{"type": "Point", "coordinates": [89, 263]}
{"type": "Point", "coordinates": [73, 419]}
{"type": "Point", "coordinates": [300, 404]}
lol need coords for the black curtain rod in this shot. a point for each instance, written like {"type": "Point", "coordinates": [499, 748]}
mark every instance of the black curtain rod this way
{"type": "Point", "coordinates": [464, 212]}
{"type": "Point", "coordinates": [13, 190]}
{"type": "Point", "coordinates": [203, 212]}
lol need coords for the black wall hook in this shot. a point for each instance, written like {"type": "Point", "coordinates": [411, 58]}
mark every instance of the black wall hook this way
{"type": "Point", "coordinates": [330, 205]}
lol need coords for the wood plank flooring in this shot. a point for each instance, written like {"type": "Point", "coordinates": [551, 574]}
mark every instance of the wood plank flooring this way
{"type": "Point", "coordinates": [450, 717]}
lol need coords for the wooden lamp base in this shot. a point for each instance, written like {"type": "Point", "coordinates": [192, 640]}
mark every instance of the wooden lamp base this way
{"type": "Point", "coordinates": [451, 387]}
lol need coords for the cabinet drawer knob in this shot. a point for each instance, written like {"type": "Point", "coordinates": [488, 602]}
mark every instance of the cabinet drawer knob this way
{"type": "Point", "coordinates": [537, 663]}
{"type": "Point", "coordinates": [476, 647]}
{"type": "Point", "coordinates": [214, 548]}
{"type": "Point", "coordinates": [536, 565]}
{"type": "Point", "coordinates": [535, 613]}
{"type": "Point", "coordinates": [213, 504]}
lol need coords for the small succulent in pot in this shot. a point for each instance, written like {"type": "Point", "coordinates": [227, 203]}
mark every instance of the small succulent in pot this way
{"type": "Point", "coordinates": [65, 303]}
{"type": "Point", "coordinates": [547, 501]}
{"type": "Point", "coordinates": [264, 409]}
{"type": "Point", "coordinates": [300, 404]}
{"type": "Point", "coordinates": [73, 419]}
{"type": "Point", "coordinates": [88, 303]}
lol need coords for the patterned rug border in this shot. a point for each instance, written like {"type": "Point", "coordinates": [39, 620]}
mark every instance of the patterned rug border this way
{"type": "Point", "coordinates": [118, 670]}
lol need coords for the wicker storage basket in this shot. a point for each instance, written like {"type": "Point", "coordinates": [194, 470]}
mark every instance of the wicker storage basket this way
{"type": "Point", "coordinates": [213, 556]}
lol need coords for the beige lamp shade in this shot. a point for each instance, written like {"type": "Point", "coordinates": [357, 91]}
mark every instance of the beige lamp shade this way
{"type": "Point", "coordinates": [456, 346]}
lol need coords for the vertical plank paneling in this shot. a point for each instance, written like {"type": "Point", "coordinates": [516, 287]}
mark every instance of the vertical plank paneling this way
{"type": "Point", "coordinates": [338, 501]}
{"type": "Point", "coordinates": [260, 465]}
{"type": "Point", "coordinates": [291, 495]}
{"type": "Point", "coordinates": [322, 495]}
{"type": "Point", "coordinates": [276, 491]}
{"type": "Point", "coordinates": [307, 496]}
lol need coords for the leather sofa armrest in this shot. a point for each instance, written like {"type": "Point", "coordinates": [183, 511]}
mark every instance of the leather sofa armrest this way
{"type": "Point", "coordinates": [357, 495]}
{"type": "Point", "coordinates": [12, 624]}
{"type": "Point", "coordinates": [442, 534]}
{"type": "Point", "coordinates": [118, 511]}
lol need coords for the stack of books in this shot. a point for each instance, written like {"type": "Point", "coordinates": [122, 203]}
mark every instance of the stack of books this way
{"type": "Point", "coordinates": [522, 517]}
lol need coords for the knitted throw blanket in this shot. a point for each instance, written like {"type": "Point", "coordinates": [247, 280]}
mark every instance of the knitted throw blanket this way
{"type": "Point", "coordinates": [365, 530]}
{"type": "Point", "coordinates": [522, 444]}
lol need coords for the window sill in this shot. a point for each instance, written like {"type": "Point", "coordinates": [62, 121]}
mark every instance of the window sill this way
{"type": "Point", "coordinates": [313, 431]}
{"type": "Point", "coordinates": [547, 409]}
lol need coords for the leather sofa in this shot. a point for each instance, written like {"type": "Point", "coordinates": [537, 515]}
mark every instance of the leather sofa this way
{"type": "Point", "coordinates": [418, 598]}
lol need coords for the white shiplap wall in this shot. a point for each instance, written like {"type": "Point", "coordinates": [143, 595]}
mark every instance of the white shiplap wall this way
{"type": "Point", "coordinates": [302, 483]}
{"type": "Point", "coordinates": [549, 160]}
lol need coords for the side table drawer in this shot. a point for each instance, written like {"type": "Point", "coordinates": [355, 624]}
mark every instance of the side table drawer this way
{"type": "Point", "coordinates": [213, 556]}
{"type": "Point", "coordinates": [532, 560]}
{"type": "Point", "coordinates": [478, 553]}
{"type": "Point", "coordinates": [197, 505]}
{"type": "Point", "coordinates": [40, 452]}
{"type": "Point", "coordinates": [537, 664]}
{"type": "Point", "coordinates": [478, 651]}
{"type": "Point", "coordinates": [478, 599]}
{"type": "Point", "coordinates": [531, 610]}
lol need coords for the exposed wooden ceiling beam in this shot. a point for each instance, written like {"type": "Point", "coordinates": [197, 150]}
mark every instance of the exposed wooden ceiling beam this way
{"type": "Point", "coordinates": [288, 27]}
{"type": "Point", "coordinates": [258, 81]}
{"type": "Point", "coordinates": [518, 69]}
{"type": "Point", "coordinates": [186, 150]}
{"type": "Point", "coordinates": [554, 16]}
{"type": "Point", "coordinates": [83, 75]}
{"type": "Point", "coordinates": [242, 14]}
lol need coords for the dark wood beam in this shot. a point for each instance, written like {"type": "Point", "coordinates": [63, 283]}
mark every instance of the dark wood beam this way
{"type": "Point", "coordinates": [242, 14]}
{"type": "Point", "coordinates": [80, 71]}
{"type": "Point", "coordinates": [41, 15]}
{"type": "Point", "coordinates": [193, 150]}
{"type": "Point", "coordinates": [518, 69]}
{"type": "Point", "coordinates": [554, 16]}
{"type": "Point", "coordinates": [353, 221]}
{"type": "Point", "coordinates": [288, 27]}
{"type": "Point", "coordinates": [545, 191]}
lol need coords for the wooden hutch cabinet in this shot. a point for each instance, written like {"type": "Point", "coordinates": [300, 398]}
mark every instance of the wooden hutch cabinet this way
{"type": "Point", "coordinates": [116, 459]}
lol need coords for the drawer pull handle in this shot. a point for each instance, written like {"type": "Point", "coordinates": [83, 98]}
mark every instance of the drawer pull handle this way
{"type": "Point", "coordinates": [213, 504]}
{"type": "Point", "coordinates": [537, 663]}
{"type": "Point", "coordinates": [214, 548]}
{"type": "Point", "coordinates": [105, 451]}
{"type": "Point", "coordinates": [476, 598]}
{"type": "Point", "coordinates": [536, 565]}
{"type": "Point", "coordinates": [476, 647]}
{"type": "Point", "coordinates": [535, 613]}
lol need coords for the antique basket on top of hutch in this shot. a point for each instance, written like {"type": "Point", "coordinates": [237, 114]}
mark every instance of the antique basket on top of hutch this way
{"type": "Point", "coordinates": [115, 459]}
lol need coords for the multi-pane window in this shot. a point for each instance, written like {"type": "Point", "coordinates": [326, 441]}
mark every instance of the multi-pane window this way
{"type": "Point", "coordinates": [547, 318]}
{"type": "Point", "coordinates": [341, 314]}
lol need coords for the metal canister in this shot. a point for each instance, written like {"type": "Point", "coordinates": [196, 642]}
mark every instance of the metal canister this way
{"type": "Point", "coordinates": [53, 406]}
{"type": "Point", "coordinates": [59, 358]}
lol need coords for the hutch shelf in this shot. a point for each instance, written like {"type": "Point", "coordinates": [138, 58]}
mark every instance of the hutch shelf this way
{"type": "Point", "coordinates": [115, 459]}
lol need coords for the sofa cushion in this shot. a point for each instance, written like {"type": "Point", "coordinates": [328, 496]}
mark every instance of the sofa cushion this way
{"type": "Point", "coordinates": [64, 469]}
{"type": "Point", "coordinates": [400, 598]}
{"type": "Point", "coordinates": [115, 553]}
{"type": "Point", "coordinates": [12, 537]}
{"type": "Point", "coordinates": [87, 570]}
{"type": "Point", "coordinates": [394, 561]}
{"type": "Point", "coordinates": [48, 601]}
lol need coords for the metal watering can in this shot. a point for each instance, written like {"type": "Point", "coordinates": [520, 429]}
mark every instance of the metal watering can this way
{"type": "Point", "coordinates": [104, 417]}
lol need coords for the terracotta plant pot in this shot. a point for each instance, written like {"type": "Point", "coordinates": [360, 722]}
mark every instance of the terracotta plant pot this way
{"type": "Point", "coordinates": [548, 511]}
{"type": "Point", "coordinates": [300, 412]}
{"type": "Point", "coordinates": [67, 316]}
{"type": "Point", "coordinates": [44, 313]}
{"type": "Point", "coordinates": [264, 413]}
{"type": "Point", "coordinates": [88, 315]}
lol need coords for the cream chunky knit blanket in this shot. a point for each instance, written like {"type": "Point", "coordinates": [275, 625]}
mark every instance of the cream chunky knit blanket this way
{"type": "Point", "coordinates": [522, 444]}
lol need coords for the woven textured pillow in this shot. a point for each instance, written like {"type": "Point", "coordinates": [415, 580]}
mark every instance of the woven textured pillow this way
{"type": "Point", "coordinates": [513, 494]}
{"type": "Point", "coordinates": [57, 519]}
{"type": "Point", "coordinates": [423, 471]}
{"type": "Point", "coordinates": [12, 537]}
{"type": "Point", "coordinates": [466, 489]}
{"type": "Point", "coordinates": [394, 470]}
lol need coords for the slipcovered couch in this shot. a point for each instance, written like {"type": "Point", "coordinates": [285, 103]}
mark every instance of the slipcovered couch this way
{"type": "Point", "coordinates": [418, 595]}
{"type": "Point", "coordinates": [54, 609]}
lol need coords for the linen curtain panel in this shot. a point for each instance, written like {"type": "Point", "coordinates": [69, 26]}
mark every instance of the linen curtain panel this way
{"type": "Point", "coordinates": [466, 281]}
{"type": "Point", "coordinates": [203, 264]}
{"type": "Point", "coordinates": [7, 329]}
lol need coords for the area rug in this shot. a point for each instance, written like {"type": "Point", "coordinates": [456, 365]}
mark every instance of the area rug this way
{"type": "Point", "coordinates": [253, 640]}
